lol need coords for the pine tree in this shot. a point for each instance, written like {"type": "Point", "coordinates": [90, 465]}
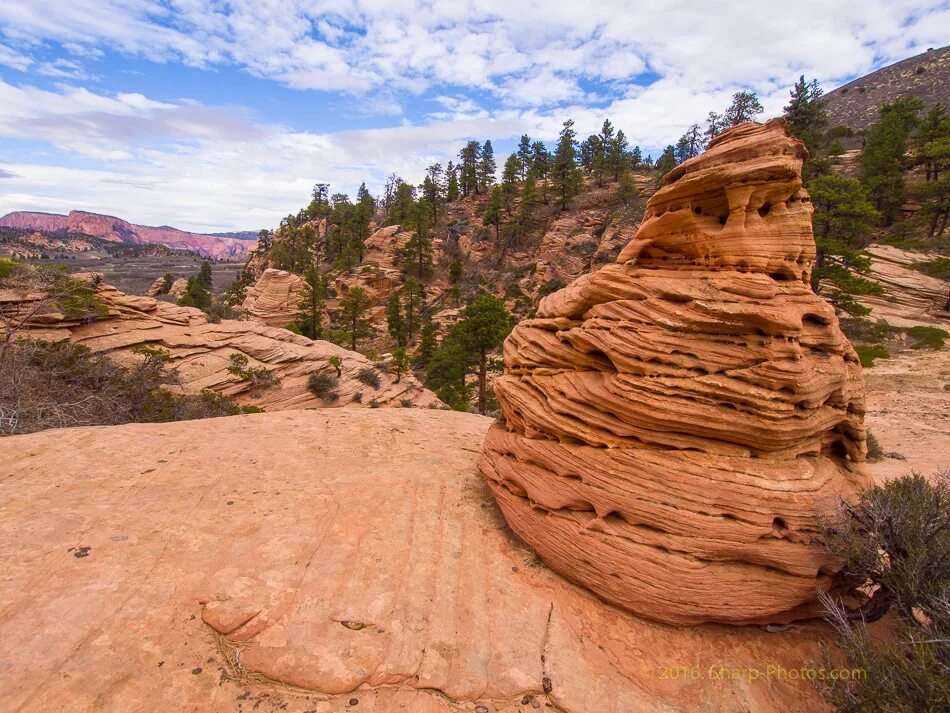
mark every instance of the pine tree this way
{"type": "Point", "coordinates": [636, 158]}
{"type": "Point", "coordinates": [524, 156]}
{"type": "Point", "coordinates": [509, 181]}
{"type": "Point", "coordinates": [204, 275]}
{"type": "Point", "coordinates": [353, 307]}
{"type": "Point", "coordinates": [807, 120]}
{"type": "Point", "coordinates": [565, 174]}
{"type": "Point", "coordinates": [484, 325]}
{"type": "Point", "coordinates": [843, 220]}
{"type": "Point", "coordinates": [310, 321]}
{"type": "Point", "coordinates": [486, 166]}
{"type": "Point", "coordinates": [882, 162]}
{"type": "Point", "coordinates": [745, 107]}
{"type": "Point", "coordinates": [603, 160]}
{"type": "Point", "coordinates": [541, 161]}
{"type": "Point", "coordinates": [469, 160]}
{"type": "Point", "coordinates": [395, 320]}
{"type": "Point", "coordinates": [529, 201]}
{"type": "Point", "coordinates": [455, 271]}
{"type": "Point", "coordinates": [932, 144]}
{"type": "Point", "coordinates": [403, 203]}
{"type": "Point", "coordinates": [399, 364]}
{"type": "Point", "coordinates": [667, 161]}
{"type": "Point", "coordinates": [418, 249]}
{"type": "Point", "coordinates": [415, 303]}
{"type": "Point", "coordinates": [452, 183]}
{"type": "Point", "coordinates": [690, 144]}
{"type": "Point", "coordinates": [619, 159]}
{"type": "Point", "coordinates": [427, 338]}
{"type": "Point", "coordinates": [492, 213]}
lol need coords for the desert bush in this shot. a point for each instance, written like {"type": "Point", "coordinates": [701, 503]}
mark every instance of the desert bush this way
{"type": "Point", "coordinates": [875, 452]}
{"type": "Point", "coordinates": [59, 384]}
{"type": "Point", "coordinates": [322, 385]}
{"type": "Point", "coordinates": [860, 329]}
{"type": "Point", "coordinates": [894, 543]}
{"type": "Point", "coordinates": [369, 376]}
{"type": "Point", "coordinates": [868, 353]}
{"type": "Point", "coordinates": [258, 376]}
{"type": "Point", "coordinates": [927, 337]}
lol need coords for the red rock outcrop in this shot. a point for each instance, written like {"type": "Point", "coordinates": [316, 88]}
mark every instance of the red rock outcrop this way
{"type": "Point", "coordinates": [671, 423]}
{"type": "Point", "coordinates": [118, 230]}
{"type": "Point", "coordinates": [275, 298]}
{"type": "Point", "coordinates": [201, 350]}
{"type": "Point", "coordinates": [300, 561]}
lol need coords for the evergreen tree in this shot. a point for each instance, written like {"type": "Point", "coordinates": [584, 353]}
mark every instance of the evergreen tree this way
{"type": "Point", "coordinates": [636, 158]}
{"type": "Point", "coordinates": [486, 166]}
{"type": "Point", "coordinates": [589, 153]}
{"type": "Point", "coordinates": [484, 325]}
{"type": "Point", "coordinates": [745, 107]}
{"type": "Point", "coordinates": [310, 321]}
{"type": "Point", "coordinates": [932, 144]}
{"type": "Point", "coordinates": [529, 201]}
{"type": "Point", "coordinates": [882, 162]}
{"type": "Point", "coordinates": [524, 154]}
{"type": "Point", "coordinates": [427, 338]}
{"type": "Point", "coordinates": [603, 160]}
{"type": "Point", "coordinates": [492, 212]}
{"type": "Point", "coordinates": [565, 174]}
{"type": "Point", "coordinates": [452, 183]}
{"type": "Point", "coordinates": [541, 161]}
{"type": "Point", "coordinates": [509, 180]}
{"type": "Point", "coordinates": [353, 306]}
{"type": "Point", "coordinates": [204, 275]}
{"type": "Point", "coordinates": [432, 189]}
{"type": "Point", "coordinates": [627, 191]}
{"type": "Point", "coordinates": [415, 303]}
{"type": "Point", "coordinates": [667, 161]}
{"type": "Point", "coordinates": [418, 249]}
{"type": "Point", "coordinates": [619, 159]}
{"type": "Point", "coordinates": [455, 272]}
{"type": "Point", "coordinates": [395, 320]}
{"type": "Point", "coordinates": [399, 364]}
{"type": "Point", "coordinates": [469, 162]}
{"type": "Point", "coordinates": [807, 119]}
{"type": "Point", "coordinates": [843, 220]}
{"type": "Point", "coordinates": [689, 145]}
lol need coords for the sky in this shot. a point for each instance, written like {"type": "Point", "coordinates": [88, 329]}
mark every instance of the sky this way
{"type": "Point", "coordinates": [214, 115]}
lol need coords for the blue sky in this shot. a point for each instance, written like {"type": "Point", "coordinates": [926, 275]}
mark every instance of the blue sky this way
{"type": "Point", "coordinates": [213, 115]}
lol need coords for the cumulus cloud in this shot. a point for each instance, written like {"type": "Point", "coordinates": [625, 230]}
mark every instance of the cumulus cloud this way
{"type": "Point", "coordinates": [483, 69]}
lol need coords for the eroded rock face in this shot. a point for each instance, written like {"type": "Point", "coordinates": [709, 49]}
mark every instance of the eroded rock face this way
{"type": "Point", "coordinates": [671, 423]}
{"type": "Point", "coordinates": [275, 298]}
{"type": "Point", "coordinates": [201, 350]}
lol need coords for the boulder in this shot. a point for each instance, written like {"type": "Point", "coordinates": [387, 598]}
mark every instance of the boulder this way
{"type": "Point", "coordinates": [275, 298]}
{"type": "Point", "coordinates": [670, 424]}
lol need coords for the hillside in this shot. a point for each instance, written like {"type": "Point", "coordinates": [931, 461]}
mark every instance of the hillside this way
{"type": "Point", "coordinates": [926, 76]}
{"type": "Point", "coordinates": [220, 247]}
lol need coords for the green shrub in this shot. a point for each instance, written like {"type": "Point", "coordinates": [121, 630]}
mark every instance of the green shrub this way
{"type": "Point", "coordinates": [859, 329]}
{"type": "Point", "coordinates": [405, 403]}
{"type": "Point", "coordinates": [258, 376]}
{"type": "Point", "coordinates": [894, 542]}
{"type": "Point", "coordinates": [939, 268]}
{"type": "Point", "coordinates": [369, 376]}
{"type": "Point", "coordinates": [875, 452]}
{"type": "Point", "coordinates": [867, 353]}
{"type": "Point", "coordinates": [927, 337]}
{"type": "Point", "coordinates": [322, 385]}
{"type": "Point", "coordinates": [358, 397]}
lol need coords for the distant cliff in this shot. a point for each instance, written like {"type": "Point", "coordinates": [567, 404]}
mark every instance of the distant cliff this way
{"type": "Point", "coordinates": [107, 227]}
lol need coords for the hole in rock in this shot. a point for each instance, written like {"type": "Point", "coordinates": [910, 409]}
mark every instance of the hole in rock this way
{"type": "Point", "coordinates": [722, 219]}
{"type": "Point", "coordinates": [778, 527]}
{"type": "Point", "coordinates": [764, 209]}
{"type": "Point", "coordinates": [697, 210]}
{"type": "Point", "coordinates": [780, 277]}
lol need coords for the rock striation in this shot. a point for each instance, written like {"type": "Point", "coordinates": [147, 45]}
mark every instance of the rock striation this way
{"type": "Point", "coordinates": [275, 298]}
{"type": "Point", "coordinates": [201, 350]}
{"type": "Point", "coordinates": [670, 424]}
{"type": "Point", "coordinates": [303, 560]}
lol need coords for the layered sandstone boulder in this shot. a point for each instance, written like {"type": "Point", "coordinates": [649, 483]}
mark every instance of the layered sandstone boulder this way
{"type": "Point", "coordinates": [275, 298]}
{"type": "Point", "coordinates": [671, 423]}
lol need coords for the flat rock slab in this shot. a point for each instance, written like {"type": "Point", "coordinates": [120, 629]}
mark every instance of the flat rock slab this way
{"type": "Point", "coordinates": [322, 561]}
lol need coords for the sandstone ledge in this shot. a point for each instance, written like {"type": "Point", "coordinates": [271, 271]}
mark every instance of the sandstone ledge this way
{"type": "Point", "coordinates": [319, 571]}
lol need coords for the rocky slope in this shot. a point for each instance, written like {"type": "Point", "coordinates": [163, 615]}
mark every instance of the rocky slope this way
{"type": "Point", "coordinates": [275, 298]}
{"type": "Point", "coordinates": [671, 423]}
{"type": "Point", "coordinates": [323, 561]}
{"type": "Point", "coordinates": [926, 76]}
{"type": "Point", "coordinates": [200, 352]}
{"type": "Point", "coordinates": [121, 231]}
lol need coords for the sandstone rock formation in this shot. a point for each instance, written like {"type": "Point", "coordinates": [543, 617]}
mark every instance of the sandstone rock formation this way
{"type": "Point", "coordinates": [300, 561]}
{"type": "Point", "coordinates": [911, 298]}
{"type": "Point", "coordinates": [670, 423]}
{"type": "Point", "coordinates": [275, 298]}
{"type": "Point", "coordinates": [201, 350]}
